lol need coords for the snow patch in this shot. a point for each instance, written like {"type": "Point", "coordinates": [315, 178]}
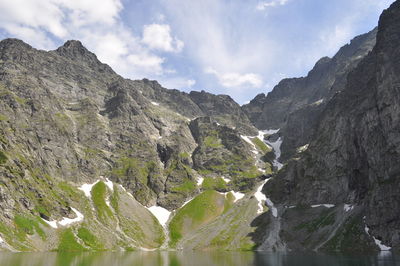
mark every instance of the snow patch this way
{"type": "Point", "coordinates": [122, 187]}
{"type": "Point", "coordinates": [318, 102]}
{"type": "Point", "coordinates": [323, 205]}
{"type": "Point", "coordinates": [237, 195]}
{"type": "Point", "coordinates": [248, 140]}
{"type": "Point", "coordinates": [87, 188]}
{"type": "Point", "coordinates": [160, 213]}
{"type": "Point", "coordinates": [261, 135]}
{"type": "Point", "coordinates": [52, 224]}
{"type": "Point", "coordinates": [108, 202]}
{"type": "Point", "coordinates": [381, 246]}
{"type": "Point", "coordinates": [186, 202]}
{"type": "Point", "coordinates": [348, 207]}
{"type": "Point", "coordinates": [109, 184]}
{"type": "Point", "coordinates": [366, 228]}
{"type": "Point", "coordinates": [154, 103]}
{"type": "Point", "coordinates": [227, 180]}
{"type": "Point", "coordinates": [1, 240]}
{"type": "Point", "coordinates": [378, 242]}
{"type": "Point", "coordinates": [276, 146]}
{"type": "Point", "coordinates": [270, 131]}
{"type": "Point", "coordinates": [302, 148]}
{"type": "Point", "coordinates": [261, 197]}
{"type": "Point", "coordinates": [67, 221]}
{"type": "Point", "coordinates": [270, 204]}
{"type": "Point", "coordinates": [200, 181]}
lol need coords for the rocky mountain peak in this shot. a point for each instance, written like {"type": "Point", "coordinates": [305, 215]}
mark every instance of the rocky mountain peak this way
{"type": "Point", "coordinates": [73, 47]}
{"type": "Point", "coordinates": [75, 50]}
{"type": "Point", "coordinates": [13, 42]}
{"type": "Point", "coordinates": [14, 49]}
{"type": "Point", "coordinates": [322, 61]}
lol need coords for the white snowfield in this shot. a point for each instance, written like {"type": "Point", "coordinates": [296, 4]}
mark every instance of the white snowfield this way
{"type": "Point", "coordinates": [66, 221]}
{"type": "Point", "coordinates": [154, 103]}
{"type": "Point", "coordinates": [87, 188]}
{"type": "Point", "coordinates": [51, 223]}
{"type": "Point", "coordinates": [276, 146]}
{"type": "Point", "coordinates": [302, 148]}
{"type": "Point", "coordinates": [270, 204]}
{"type": "Point", "coordinates": [261, 135]}
{"type": "Point", "coordinates": [270, 131]}
{"type": "Point", "coordinates": [318, 102]}
{"type": "Point", "coordinates": [237, 195]}
{"type": "Point", "coordinates": [378, 242]}
{"type": "Point", "coordinates": [160, 213]}
{"type": "Point", "coordinates": [109, 184]}
{"type": "Point", "coordinates": [200, 181]}
{"type": "Point", "coordinates": [227, 180]}
{"type": "Point", "coordinates": [248, 140]}
{"type": "Point", "coordinates": [262, 198]}
{"type": "Point", "coordinates": [348, 207]}
{"type": "Point", "coordinates": [163, 214]}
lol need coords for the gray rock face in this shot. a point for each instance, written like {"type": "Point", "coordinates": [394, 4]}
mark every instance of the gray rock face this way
{"type": "Point", "coordinates": [74, 118]}
{"type": "Point", "coordinates": [224, 110]}
{"type": "Point", "coordinates": [354, 157]}
{"type": "Point", "coordinates": [294, 104]}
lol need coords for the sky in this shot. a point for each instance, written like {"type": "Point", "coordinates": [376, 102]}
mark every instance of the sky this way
{"type": "Point", "coordinates": [235, 47]}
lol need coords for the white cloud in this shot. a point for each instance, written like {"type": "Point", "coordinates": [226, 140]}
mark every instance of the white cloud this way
{"type": "Point", "coordinates": [92, 11]}
{"type": "Point", "coordinates": [236, 80]}
{"type": "Point", "coordinates": [158, 37]}
{"type": "Point", "coordinates": [28, 33]}
{"type": "Point", "coordinates": [190, 82]}
{"type": "Point", "coordinates": [263, 5]}
{"type": "Point", "coordinates": [178, 83]}
{"type": "Point", "coordinates": [148, 62]}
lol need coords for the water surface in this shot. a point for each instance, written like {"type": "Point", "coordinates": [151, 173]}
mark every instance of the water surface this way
{"type": "Point", "coordinates": [180, 258]}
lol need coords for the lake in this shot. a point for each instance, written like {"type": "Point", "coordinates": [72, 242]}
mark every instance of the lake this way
{"type": "Point", "coordinates": [192, 258]}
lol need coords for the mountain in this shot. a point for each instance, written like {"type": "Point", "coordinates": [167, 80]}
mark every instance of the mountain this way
{"type": "Point", "coordinates": [92, 161]}
{"type": "Point", "coordinates": [350, 171]}
{"type": "Point", "coordinates": [295, 104]}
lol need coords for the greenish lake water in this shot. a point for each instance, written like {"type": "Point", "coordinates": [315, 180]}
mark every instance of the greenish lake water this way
{"type": "Point", "coordinates": [183, 258]}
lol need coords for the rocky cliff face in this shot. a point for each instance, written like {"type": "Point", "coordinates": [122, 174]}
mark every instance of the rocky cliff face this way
{"type": "Point", "coordinates": [69, 122]}
{"type": "Point", "coordinates": [295, 104]}
{"type": "Point", "coordinates": [351, 166]}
